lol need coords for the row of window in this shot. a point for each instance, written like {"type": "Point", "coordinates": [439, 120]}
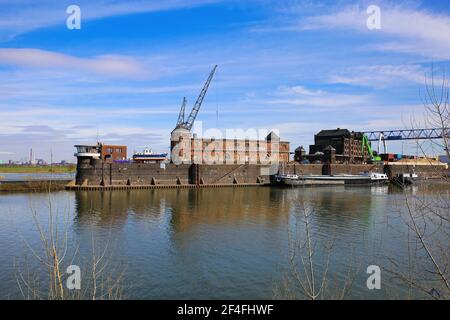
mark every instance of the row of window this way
{"type": "Point", "coordinates": [112, 150]}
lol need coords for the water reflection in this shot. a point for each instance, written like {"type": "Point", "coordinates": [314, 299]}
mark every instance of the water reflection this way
{"type": "Point", "coordinates": [184, 206]}
{"type": "Point", "coordinates": [225, 243]}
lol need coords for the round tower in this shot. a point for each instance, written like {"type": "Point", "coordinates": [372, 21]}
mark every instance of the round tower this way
{"type": "Point", "coordinates": [180, 145]}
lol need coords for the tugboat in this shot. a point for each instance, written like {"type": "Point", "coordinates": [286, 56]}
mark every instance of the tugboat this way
{"type": "Point", "coordinates": [148, 155]}
{"type": "Point", "coordinates": [405, 179]}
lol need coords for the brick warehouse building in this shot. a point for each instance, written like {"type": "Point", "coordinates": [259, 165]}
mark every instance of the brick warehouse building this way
{"type": "Point", "coordinates": [228, 151]}
{"type": "Point", "coordinates": [346, 146]}
{"type": "Point", "coordinates": [105, 152]}
{"type": "Point", "coordinates": [113, 152]}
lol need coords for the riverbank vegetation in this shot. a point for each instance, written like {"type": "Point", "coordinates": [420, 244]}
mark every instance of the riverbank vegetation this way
{"type": "Point", "coordinates": [57, 268]}
{"type": "Point", "coordinates": [70, 168]}
{"type": "Point", "coordinates": [427, 240]}
{"type": "Point", "coordinates": [33, 186]}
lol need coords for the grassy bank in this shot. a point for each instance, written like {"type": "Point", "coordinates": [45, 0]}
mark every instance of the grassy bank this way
{"type": "Point", "coordinates": [33, 186]}
{"type": "Point", "coordinates": [37, 169]}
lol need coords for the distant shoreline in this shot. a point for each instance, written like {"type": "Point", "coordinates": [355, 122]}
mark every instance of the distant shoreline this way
{"type": "Point", "coordinates": [33, 186]}
{"type": "Point", "coordinates": [37, 169]}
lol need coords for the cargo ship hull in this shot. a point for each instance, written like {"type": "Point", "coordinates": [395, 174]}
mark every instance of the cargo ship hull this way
{"type": "Point", "coordinates": [290, 180]}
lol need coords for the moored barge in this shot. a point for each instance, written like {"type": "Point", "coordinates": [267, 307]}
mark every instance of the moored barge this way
{"type": "Point", "coordinates": [343, 179]}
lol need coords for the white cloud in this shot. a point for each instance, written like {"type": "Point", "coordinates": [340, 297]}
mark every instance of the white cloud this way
{"type": "Point", "coordinates": [303, 97]}
{"type": "Point", "coordinates": [301, 90]}
{"type": "Point", "coordinates": [22, 16]}
{"type": "Point", "coordinates": [109, 65]}
{"type": "Point", "coordinates": [379, 76]}
{"type": "Point", "coordinates": [420, 32]}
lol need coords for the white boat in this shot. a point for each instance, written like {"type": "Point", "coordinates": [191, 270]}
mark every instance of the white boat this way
{"type": "Point", "coordinates": [379, 177]}
{"type": "Point", "coordinates": [149, 156]}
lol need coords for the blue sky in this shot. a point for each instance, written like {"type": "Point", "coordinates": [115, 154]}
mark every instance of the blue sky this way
{"type": "Point", "coordinates": [295, 66]}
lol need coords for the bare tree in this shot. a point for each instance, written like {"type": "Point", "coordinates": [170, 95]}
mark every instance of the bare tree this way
{"type": "Point", "coordinates": [100, 280]}
{"type": "Point", "coordinates": [426, 212]}
{"type": "Point", "coordinates": [436, 103]}
{"type": "Point", "coordinates": [309, 263]}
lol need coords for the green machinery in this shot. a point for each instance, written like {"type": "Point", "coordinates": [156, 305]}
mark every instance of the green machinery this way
{"type": "Point", "coordinates": [366, 144]}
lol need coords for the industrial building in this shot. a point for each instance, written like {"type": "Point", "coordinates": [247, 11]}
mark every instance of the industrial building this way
{"type": "Point", "coordinates": [111, 153]}
{"type": "Point", "coordinates": [336, 146]}
{"type": "Point", "coordinates": [106, 152]}
{"type": "Point", "coordinates": [197, 161]}
{"type": "Point", "coordinates": [189, 149]}
{"type": "Point", "coordinates": [186, 148]}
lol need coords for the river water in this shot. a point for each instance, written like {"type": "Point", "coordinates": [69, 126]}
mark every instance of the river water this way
{"type": "Point", "coordinates": [218, 243]}
{"type": "Point", "coordinates": [36, 176]}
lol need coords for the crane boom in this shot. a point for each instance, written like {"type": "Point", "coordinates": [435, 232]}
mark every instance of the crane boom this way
{"type": "Point", "coordinates": [190, 121]}
{"type": "Point", "coordinates": [365, 144]}
{"type": "Point", "coordinates": [181, 115]}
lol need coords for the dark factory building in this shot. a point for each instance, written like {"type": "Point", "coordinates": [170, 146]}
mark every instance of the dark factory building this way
{"type": "Point", "coordinates": [337, 145]}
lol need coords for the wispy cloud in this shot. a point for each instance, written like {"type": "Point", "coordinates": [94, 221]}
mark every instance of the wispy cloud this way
{"type": "Point", "coordinates": [410, 30]}
{"type": "Point", "coordinates": [54, 98]}
{"type": "Point", "coordinates": [300, 90]}
{"type": "Point", "coordinates": [319, 99]}
{"type": "Point", "coordinates": [109, 65]}
{"type": "Point", "coordinates": [379, 76]}
{"type": "Point", "coordinates": [22, 16]}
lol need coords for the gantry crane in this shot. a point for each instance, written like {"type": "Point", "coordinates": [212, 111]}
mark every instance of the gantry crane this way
{"type": "Point", "coordinates": [190, 120]}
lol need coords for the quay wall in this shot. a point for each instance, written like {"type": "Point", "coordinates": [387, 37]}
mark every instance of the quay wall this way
{"type": "Point", "coordinates": [356, 168]}
{"type": "Point", "coordinates": [230, 174]}
{"type": "Point", "coordinates": [141, 174]}
{"type": "Point", "coordinates": [318, 169]}
{"type": "Point", "coordinates": [423, 171]}
{"type": "Point", "coordinates": [132, 174]}
{"type": "Point", "coordinates": [107, 174]}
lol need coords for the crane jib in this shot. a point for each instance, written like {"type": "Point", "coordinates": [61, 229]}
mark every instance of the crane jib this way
{"type": "Point", "coordinates": [195, 109]}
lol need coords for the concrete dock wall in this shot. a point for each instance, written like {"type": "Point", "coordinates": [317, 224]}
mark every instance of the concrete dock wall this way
{"type": "Point", "coordinates": [423, 171]}
{"type": "Point", "coordinates": [230, 174]}
{"type": "Point", "coordinates": [171, 174]}
{"type": "Point", "coordinates": [140, 174]}
{"type": "Point", "coordinates": [298, 168]}
{"type": "Point", "coordinates": [132, 174]}
{"type": "Point", "coordinates": [317, 169]}
{"type": "Point", "coordinates": [356, 168]}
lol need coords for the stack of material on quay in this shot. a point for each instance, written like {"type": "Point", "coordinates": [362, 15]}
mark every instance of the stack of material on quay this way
{"type": "Point", "coordinates": [419, 162]}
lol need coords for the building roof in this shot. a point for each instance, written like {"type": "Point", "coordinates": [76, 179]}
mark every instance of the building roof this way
{"type": "Point", "coordinates": [333, 133]}
{"type": "Point", "coordinates": [329, 148]}
{"type": "Point", "coordinates": [272, 136]}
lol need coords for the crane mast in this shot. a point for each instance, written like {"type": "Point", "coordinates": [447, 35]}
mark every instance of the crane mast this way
{"type": "Point", "coordinates": [181, 115]}
{"type": "Point", "coordinates": [190, 121]}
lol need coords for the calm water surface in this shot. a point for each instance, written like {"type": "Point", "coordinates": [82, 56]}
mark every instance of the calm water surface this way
{"type": "Point", "coordinates": [35, 176]}
{"type": "Point", "coordinates": [227, 243]}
